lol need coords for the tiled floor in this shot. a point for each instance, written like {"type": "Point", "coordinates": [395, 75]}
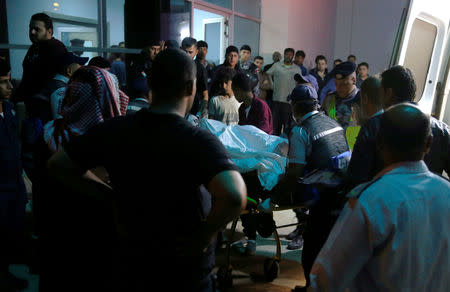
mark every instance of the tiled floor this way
{"type": "Point", "coordinates": [248, 274]}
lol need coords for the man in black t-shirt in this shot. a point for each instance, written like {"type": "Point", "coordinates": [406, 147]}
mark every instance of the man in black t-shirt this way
{"type": "Point", "coordinates": [200, 105]}
{"type": "Point", "coordinates": [172, 201]}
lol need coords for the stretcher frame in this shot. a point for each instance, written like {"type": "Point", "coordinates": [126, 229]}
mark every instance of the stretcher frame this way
{"type": "Point", "coordinates": [271, 265]}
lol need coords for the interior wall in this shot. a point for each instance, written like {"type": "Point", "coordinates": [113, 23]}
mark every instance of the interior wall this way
{"type": "Point", "coordinates": [300, 24]}
{"type": "Point", "coordinates": [367, 29]}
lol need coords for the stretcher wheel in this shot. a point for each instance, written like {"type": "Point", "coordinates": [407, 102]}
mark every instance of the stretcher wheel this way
{"type": "Point", "coordinates": [271, 269]}
{"type": "Point", "coordinates": [224, 279]}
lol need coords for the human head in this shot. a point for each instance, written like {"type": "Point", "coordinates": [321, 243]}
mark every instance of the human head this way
{"type": "Point", "coordinates": [41, 28]}
{"type": "Point", "coordinates": [370, 101]}
{"type": "Point", "coordinates": [245, 53]}
{"type": "Point", "coordinates": [5, 80]}
{"type": "Point", "coordinates": [139, 88]}
{"type": "Point", "coordinates": [259, 61]}
{"type": "Point", "coordinates": [363, 70]}
{"type": "Point", "coordinates": [303, 100]}
{"type": "Point", "coordinates": [70, 63]}
{"type": "Point", "coordinates": [189, 45]}
{"type": "Point", "coordinates": [397, 85]}
{"type": "Point", "coordinates": [222, 85]}
{"type": "Point", "coordinates": [336, 62]}
{"type": "Point", "coordinates": [172, 78]}
{"type": "Point", "coordinates": [299, 57]}
{"type": "Point", "coordinates": [276, 56]}
{"type": "Point", "coordinates": [344, 78]}
{"type": "Point", "coordinates": [231, 56]}
{"type": "Point", "coordinates": [288, 55]}
{"type": "Point", "coordinates": [351, 58]}
{"type": "Point", "coordinates": [171, 44]}
{"type": "Point", "coordinates": [321, 63]}
{"type": "Point", "coordinates": [149, 52]}
{"type": "Point", "coordinates": [100, 62]}
{"type": "Point", "coordinates": [404, 134]}
{"type": "Point", "coordinates": [242, 87]}
{"type": "Point", "coordinates": [90, 99]}
{"type": "Point", "coordinates": [202, 47]}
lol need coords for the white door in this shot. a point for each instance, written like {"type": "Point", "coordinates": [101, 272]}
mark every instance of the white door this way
{"type": "Point", "coordinates": [424, 49]}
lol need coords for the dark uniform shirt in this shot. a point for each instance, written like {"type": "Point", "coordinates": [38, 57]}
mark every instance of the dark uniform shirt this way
{"type": "Point", "coordinates": [366, 162]}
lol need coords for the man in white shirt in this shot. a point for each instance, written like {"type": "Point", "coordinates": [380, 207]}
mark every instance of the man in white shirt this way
{"type": "Point", "coordinates": [394, 232]}
{"type": "Point", "coordinates": [283, 74]}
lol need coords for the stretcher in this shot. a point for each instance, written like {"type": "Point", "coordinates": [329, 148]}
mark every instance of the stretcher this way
{"type": "Point", "coordinates": [271, 265]}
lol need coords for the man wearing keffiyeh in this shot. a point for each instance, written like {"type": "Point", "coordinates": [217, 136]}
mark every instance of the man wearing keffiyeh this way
{"type": "Point", "coordinates": [92, 96]}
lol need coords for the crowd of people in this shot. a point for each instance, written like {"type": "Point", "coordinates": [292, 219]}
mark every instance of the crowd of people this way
{"type": "Point", "coordinates": [128, 191]}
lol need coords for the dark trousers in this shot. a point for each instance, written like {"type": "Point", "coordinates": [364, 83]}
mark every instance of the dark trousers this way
{"type": "Point", "coordinates": [318, 227]}
{"type": "Point", "coordinates": [12, 228]}
{"type": "Point", "coordinates": [281, 116]}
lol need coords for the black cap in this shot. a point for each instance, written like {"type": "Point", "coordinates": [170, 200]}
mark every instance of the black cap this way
{"type": "Point", "coordinates": [300, 78]}
{"type": "Point", "coordinates": [303, 92]}
{"type": "Point", "coordinates": [70, 58]}
{"type": "Point", "coordinates": [4, 67]}
{"type": "Point", "coordinates": [343, 69]}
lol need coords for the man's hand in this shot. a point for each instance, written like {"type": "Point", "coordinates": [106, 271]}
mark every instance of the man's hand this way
{"type": "Point", "coordinates": [162, 46]}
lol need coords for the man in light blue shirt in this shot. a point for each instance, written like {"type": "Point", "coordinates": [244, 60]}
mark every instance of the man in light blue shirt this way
{"type": "Point", "coordinates": [394, 232]}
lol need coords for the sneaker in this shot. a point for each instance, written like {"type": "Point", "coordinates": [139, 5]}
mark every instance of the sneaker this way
{"type": "Point", "coordinates": [293, 234]}
{"type": "Point", "coordinates": [240, 245]}
{"type": "Point", "coordinates": [250, 249]}
{"type": "Point", "coordinates": [296, 243]}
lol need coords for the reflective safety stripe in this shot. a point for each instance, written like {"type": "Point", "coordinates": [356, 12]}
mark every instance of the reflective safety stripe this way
{"type": "Point", "coordinates": [327, 132]}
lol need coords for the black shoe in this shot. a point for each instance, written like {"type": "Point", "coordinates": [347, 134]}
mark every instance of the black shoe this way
{"type": "Point", "coordinates": [296, 243]}
{"type": "Point", "coordinates": [299, 289]}
{"type": "Point", "coordinates": [293, 234]}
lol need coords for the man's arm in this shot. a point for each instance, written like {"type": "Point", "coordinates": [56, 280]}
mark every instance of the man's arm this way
{"type": "Point", "coordinates": [346, 251]}
{"type": "Point", "coordinates": [229, 198]}
{"type": "Point", "coordinates": [62, 167]}
{"type": "Point", "coordinates": [272, 70]}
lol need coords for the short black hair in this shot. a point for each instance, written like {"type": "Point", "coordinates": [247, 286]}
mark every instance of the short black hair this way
{"type": "Point", "coordinates": [404, 130]}
{"type": "Point", "coordinates": [5, 68]}
{"type": "Point", "coordinates": [48, 22]}
{"type": "Point", "coordinates": [231, 49]}
{"type": "Point", "coordinates": [202, 44]}
{"type": "Point", "coordinates": [371, 88]}
{"type": "Point", "coordinates": [320, 57]}
{"type": "Point", "coordinates": [401, 81]}
{"type": "Point", "coordinates": [289, 50]}
{"type": "Point", "coordinates": [170, 74]}
{"type": "Point", "coordinates": [242, 81]}
{"type": "Point", "coordinates": [337, 60]}
{"type": "Point", "coordinates": [99, 62]}
{"type": "Point", "coordinates": [246, 47]}
{"type": "Point", "coordinates": [258, 58]}
{"type": "Point", "coordinates": [363, 64]}
{"type": "Point", "coordinates": [188, 42]}
{"type": "Point", "coordinates": [223, 75]}
{"type": "Point", "coordinates": [300, 53]}
{"type": "Point", "coordinates": [171, 44]}
{"type": "Point", "coordinates": [351, 56]}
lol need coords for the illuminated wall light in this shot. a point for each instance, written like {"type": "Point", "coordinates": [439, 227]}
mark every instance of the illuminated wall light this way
{"type": "Point", "coordinates": [55, 4]}
{"type": "Point", "coordinates": [55, 9]}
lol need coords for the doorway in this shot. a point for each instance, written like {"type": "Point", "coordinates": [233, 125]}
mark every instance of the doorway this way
{"type": "Point", "coordinates": [213, 29]}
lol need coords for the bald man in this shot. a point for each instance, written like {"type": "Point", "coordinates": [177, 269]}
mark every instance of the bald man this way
{"type": "Point", "coordinates": [394, 232]}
